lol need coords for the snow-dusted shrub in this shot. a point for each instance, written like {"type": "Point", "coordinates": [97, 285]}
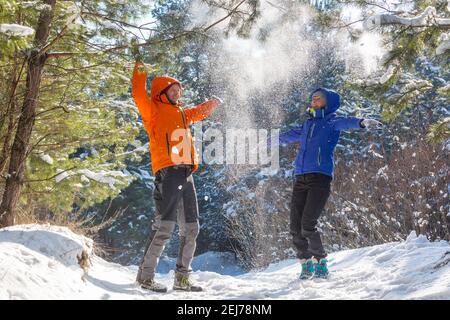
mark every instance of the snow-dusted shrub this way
{"type": "Point", "coordinates": [409, 192]}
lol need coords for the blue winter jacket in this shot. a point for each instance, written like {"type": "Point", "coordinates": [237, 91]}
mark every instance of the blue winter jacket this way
{"type": "Point", "coordinates": [319, 135]}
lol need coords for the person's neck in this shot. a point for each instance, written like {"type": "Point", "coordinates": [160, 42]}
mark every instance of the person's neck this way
{"type": "Point", "coordinates": [316, 113]}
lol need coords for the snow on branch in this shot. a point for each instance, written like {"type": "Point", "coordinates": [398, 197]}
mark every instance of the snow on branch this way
{"type": "Point", "coordinates": [140, 149]}
{"type": "Point", "coordinates": [379, 78]}
{"type": "Point", "coordinates": [444, 91]}
{"type": "Point", "coordinates": [102, 176]}
{"type": "Point", "coordinates": [36, 5]}
{"type": "Point", "coordinates": [74, 15]}
{"type": "Point", "coordinates": [16, 30]}
{"type": "Point", "coordinates": [444, 45]}
{"type": "Point", "coordinates": [427, 18]}
{"type": "Point", "coordinates": [105, 177]}
{"type": "Point", "coordinates": [411, 85]}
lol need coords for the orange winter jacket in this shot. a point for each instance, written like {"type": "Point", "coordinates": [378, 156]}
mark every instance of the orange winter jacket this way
{"type": "Point", "coordinates": [167, 125]}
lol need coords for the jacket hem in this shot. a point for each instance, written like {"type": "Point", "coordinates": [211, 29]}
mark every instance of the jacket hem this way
{"type": "Point", "coordinates": [313, 171]}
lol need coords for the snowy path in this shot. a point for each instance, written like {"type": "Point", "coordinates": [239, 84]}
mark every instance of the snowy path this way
{"type": "Point", "coordinates": [40, 262]}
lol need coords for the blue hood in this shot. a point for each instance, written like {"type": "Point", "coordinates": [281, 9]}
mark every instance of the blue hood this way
{"type": "Point", "coordinates": [333, 100]}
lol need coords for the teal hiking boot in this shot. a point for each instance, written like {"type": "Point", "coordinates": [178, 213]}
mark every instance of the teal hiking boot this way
{"type": "Point", "coordinates": [321, 269]}
{"type": "Point", "coordinates": [307, 268]}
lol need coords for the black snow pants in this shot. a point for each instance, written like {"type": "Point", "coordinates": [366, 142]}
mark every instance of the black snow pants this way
{"type": "Point", "coordinates": [309, 196]}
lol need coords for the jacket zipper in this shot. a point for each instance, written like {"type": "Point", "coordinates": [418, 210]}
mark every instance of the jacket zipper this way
{"type": "Point", "coordinates": [168, 144]}
{"type": "Point", "coordinates": [312, 131]}
{"type": "Point", "coordinates": [304, 150]}
{"type": "Point", "coordinates": [183, 117]}
{"type": "Point", "coordinates": [319, 157]}
{"type": "Point", "coordinates": [186, 128]}
{"type": "Point", "coordinates": [308, 137]}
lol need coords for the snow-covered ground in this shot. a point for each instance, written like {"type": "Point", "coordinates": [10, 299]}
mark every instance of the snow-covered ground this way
{"type": "Point", "coordinates": [39, 262]}
{"type": "Point", "coordinates": [223, 263]}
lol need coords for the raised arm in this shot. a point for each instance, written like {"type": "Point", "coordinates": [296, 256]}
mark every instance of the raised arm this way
{"type": "Point", "coordinates": [201, 112]}
{"type": "Point", "coordinates": [139, 91]}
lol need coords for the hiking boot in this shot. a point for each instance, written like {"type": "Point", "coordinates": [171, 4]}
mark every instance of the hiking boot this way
{"type": "Point", "coordinates": [150, 284]}
{"type": "Point", "coordinates": [321, 269]}
{"type": "Point", "coordinates": [307, 268]}
{"type": "Point", "coordinates": [183, 283]}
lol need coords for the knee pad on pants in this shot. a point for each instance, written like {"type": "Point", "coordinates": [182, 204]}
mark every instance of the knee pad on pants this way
{"type": "Point", "coordinates": [163, 231]}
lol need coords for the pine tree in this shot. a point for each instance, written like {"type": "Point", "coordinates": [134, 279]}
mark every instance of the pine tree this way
{"type": "Point", "coordinates": [62, 85]}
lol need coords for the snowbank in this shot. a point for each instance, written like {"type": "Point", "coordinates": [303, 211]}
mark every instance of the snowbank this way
{"type": "Point", "coordinates": [39, 262]}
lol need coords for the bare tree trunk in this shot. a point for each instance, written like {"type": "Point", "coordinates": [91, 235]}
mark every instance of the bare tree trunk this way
{"type": "Point", "coordinates": [9, 136]}
{"type": "Point", "coordinates": [9, 114]}
{"type": "Point", "coordinates": [36, 62]}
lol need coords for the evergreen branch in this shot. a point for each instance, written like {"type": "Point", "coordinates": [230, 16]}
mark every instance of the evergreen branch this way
{"type": "Point", "coordinates": [367, 3]}
{"type": "Point", "coordinates": [67, 142]}
{"type": "Point", "coordinates": [426, 19]}
{"type": "Point", "coordinates": [225, 17]}
{"type": "Point", "coordinates": [126, 24]}
{"type": "Point", "coordinates": [54, 40]}
{"type": "Point", "coordinates": [13, 94]}
{"type": "Point", "coordinates": [348, 24]}
{"type": "Point", "coordinates": [63, 54]}
{"type": "Point", "coordinates": [277, 6]}
{"type": "Point", "coordinates": [70, 70]}
{"type": "Point", "coordinates": [36, 144]}
{"type": "Point", "coordinates": [50, 178]}
{"type": "Point", "coordinates": [49, 110]}
{"type": "Point", "coordinates": [105, 50]}
{"type": "Point", "coordinates": [220, 6]}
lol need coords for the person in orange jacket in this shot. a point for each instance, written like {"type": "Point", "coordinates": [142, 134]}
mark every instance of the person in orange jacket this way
{"type": "Point", "coordinates": [174, 159]}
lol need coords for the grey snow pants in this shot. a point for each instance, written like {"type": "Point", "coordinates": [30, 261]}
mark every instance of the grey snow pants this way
{"type": "Point", "coordinates": [176, 201]}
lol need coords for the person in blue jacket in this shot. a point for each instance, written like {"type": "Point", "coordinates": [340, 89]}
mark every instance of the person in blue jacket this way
{"type": "Point", "coordinates": [318, 137]}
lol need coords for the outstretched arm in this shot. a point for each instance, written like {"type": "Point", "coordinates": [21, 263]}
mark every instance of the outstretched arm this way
{"type": "Point", "coordinates": [342, 123]}
{"type": "Point", "coordinates": [139, 91]}
{"type": "Point", "coordinates": [291, 136]}
{"type": "Point", "coordinates": [201, 112]}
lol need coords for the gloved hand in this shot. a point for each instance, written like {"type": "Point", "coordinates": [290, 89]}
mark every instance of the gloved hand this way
{"type": "Point", "coordinates": [135, 50]}
{"type": "Point", "coordinates": [371, 124]}
{"type": "Point", "coordinates": [219, 100]}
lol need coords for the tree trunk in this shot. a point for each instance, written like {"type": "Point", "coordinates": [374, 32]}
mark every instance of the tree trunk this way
{"type": "Point", "coordinates": [9, 117]}
{"type": "Point", "coordinates": [19, 151]}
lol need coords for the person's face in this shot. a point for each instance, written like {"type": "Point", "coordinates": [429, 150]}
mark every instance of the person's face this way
{"type": "Point", "coordinates": [318, 102]}
{"type": "Point", "coordinates": [174, 93]}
